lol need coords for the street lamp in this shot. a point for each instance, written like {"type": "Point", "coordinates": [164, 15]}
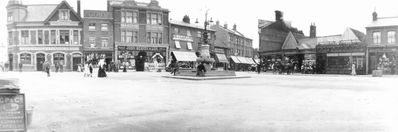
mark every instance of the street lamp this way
{"type": "Point", "coordinates": [204, 50]}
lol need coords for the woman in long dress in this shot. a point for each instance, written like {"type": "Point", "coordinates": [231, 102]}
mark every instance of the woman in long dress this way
{"type": "Point", "coordinates": [101, 70]}
{"type": "Point", "coordinates": [353, 70]}
{"type": "Point", "coordinates": [86, 70]}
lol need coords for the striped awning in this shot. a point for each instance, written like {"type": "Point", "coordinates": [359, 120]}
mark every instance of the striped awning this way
{"type": "Point", "coordinates": [222, 58]}
{"type": "Point", "coordinates": [235, 59]}
{"type": "Point", "coordinates": [185, 56]}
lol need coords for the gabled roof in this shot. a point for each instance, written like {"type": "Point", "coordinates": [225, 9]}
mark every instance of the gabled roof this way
{"type": "Point", "coordinates": [264, 23]}
{"type": "Point", "coordinates": [59, 5]}
{"type": "Point", "coordinates": [290, 42]}
{"type": "Point", "coordinates": [361, 36]}
{"type": "Point", "coordinates": [37, 13]}
{"type": "Point", "coordinates": [384, 21]}
{"type": "Point", "coordinates": [229, 30]}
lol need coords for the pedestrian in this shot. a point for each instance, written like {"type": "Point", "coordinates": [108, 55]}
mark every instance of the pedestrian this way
{"type": "Point", "coordinates": [353, 70]}
{"type": "Point", "coordinates": [20, 66]}
{"type": "Point", "coordinates": [258, 68]}
{"type": "Point", "coordinates": [61, 66]}
{"type": "Point", "coordinates": [56, 66]}
{"type": "Point", "coordinates": [86, 70]}
{"type": "Point", "coordinates": [2, 66]}
{"type": "Point", "coordinates": [101, 70]}
{"type": "Point", "coordinates": [47, 68]}
{"type": "Point", "coordinates": [6, 65]}
{"type": "Point", "coordinates": [90, 67]}
{"type": "Point", "coordinates": [201, 70]}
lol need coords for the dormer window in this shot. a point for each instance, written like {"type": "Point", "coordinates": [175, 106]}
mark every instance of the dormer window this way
{"type": "Point", "coordinates": [64, 15]}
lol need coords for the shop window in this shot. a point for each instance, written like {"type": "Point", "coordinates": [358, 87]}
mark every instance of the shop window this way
{"type": "Point", "coordinates": [46, 37]}
{"type": "Point", "coordinates": [376, 38]}
{"type": "Point", "coordinates": [32, 37]}
{"type": "Point", "coordinates": [40, 36]}
{"type": "Point", "coordinates": [64, 36]}
{"type": "Point", "coordinates": [76, 37]}
{"type": "Point", "coordinates": [91, 27]}
{"type": "Point", "coordinates": [177, 43]}
{"type": "Point", "coordinates": [53, 38]}
{"type": "Point", "coordinates": [104, 27]}
{"type": "Point", "coordinates": [63, 14]}
{"type": "Point", "coordinates": [26, 58]}
{"type": "Point", "coordinates": [24, 37]}
{"type": "Point", "coordinates": [391, 37]}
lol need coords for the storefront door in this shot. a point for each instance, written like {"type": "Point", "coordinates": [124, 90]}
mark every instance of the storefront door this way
{"type": "Point", "coordinates": [40, 58]}
{"type": "Point", "coordinates": [76, 60]}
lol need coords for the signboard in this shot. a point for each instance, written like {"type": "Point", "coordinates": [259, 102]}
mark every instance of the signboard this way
{"type": "Point", "coordinates": [97, 14]}
{"type": "Point", "coordinates": [12, 112]}
{"type": "Point", "coordinates": [138, 48]}
{"type": "Point", "coordinates": [182, 38]}
{"type": "Point", "coordinates": [49, 48]}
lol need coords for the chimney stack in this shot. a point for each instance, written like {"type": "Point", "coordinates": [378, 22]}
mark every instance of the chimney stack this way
{"type": "Point", "coordinates": [226, 26]}
{"type": "Point", "coordinates": [234, 28]}
{"type": "Point", "coordinates": [78, 8]}
{"type": "Point", "coordinates": [186, 19]}
{"type": "Point", "coordinates": [374, 16]}
{"type": "Point", "coordinates": [278, 15]}
{"type": "Point", "coordinates": [217, 23]}
{"type": "Point", "coordinates": [312, 30]}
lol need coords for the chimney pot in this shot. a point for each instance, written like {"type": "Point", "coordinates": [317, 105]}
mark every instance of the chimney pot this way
{"type": "Point", "coordinates": [234, 28]}
{"type": "Point", "coordinates": [374, 16]}
{"type": "Point", "coordinates": [278, 15]}
{"type": "Point", "coordinates": [226, 26]}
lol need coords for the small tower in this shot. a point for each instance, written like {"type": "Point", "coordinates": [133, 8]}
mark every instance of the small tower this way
{"type": "Point", "coordinates": [374, 14]}
{"type": "Point", "coordinates": [16, 10]}
{"type": "Point", "coordinates": [312, 30]}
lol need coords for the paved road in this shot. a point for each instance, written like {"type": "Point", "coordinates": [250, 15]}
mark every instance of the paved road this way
{"type": "Point", "coordinates": [146, 102]}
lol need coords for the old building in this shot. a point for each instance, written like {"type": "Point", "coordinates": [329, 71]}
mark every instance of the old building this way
{"type": "Point", "coordinates": [382, 46]}
{"type": "Point", "coordinates": [43, 32]}
{"type": "Point", "coordinates": [98, 39]}
{"type": "Point", "coordinates": [186, 39]}
{"type": "Point", "coordinates": [237, 47]}
{"type": "Point", "coordinates": [141, 31]}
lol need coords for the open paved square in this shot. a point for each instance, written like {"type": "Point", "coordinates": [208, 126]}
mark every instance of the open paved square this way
{"type": "Point", "coordinates": [147, 102]}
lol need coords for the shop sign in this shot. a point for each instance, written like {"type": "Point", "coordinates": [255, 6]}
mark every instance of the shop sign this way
{"type": "Point", "coordinates": [217, 50]}
{"type": "Point", "coordinates": [182, 38]}
{"type": "Point", "coordinates": [97, 14]}
{"type": "Point", "coordinates": [49, 48]}
{"type": "Point", "coordinates": [138, 48]}
{"type": "Point", "coordinates": [64, 23]}
{"type": "Point", "coordinates": [12, 112]}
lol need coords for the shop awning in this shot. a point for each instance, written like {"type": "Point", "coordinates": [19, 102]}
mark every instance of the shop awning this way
{"type": "Point", "coordinates": [241, 59]}
{"type": "Point", "coordinates": [251, 61]}
{"type": "Point", "coordinates": [222, 58]}
{"type": "Point", "coordinates": [185, 56]}
{"type": "Point", "coordinates": [257, 61]}
{"type": "Point", "coordinates": [235, 59]}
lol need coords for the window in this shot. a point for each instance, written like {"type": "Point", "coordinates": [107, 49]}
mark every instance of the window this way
{"type": "Point", "coordinates": [40, 36]}
{"type": "Point", "coordinates": [199, 34]}
{"type": "Point", "coordinates": [53, 38]}
{"type": "Point", "coordinates": [104, 42]}
{"type": "Point", "coordinates": [10, 38]}
{"type": "Point", "coordinates": [24, 37]}
{"type": "Point", "coordinates": [154, 18]}
{"type": "Point", "coordinates": [76, 37]}
{"type": "Point", "coordinates": [129, 17]}
{"type": "Point", "coordinates": [148, 37]}
{"type": "Point", "coordinates": [63, 14]}
{"type": "Point", "coordinates": [159, 19]}
{"type": "Point", "coordinates": [189, 33]}
{"type": "Point", "coordinates": [92, 42]}
{"type": "Point", "coordinates": [46, 37]}
{"type": "Point", "coordinates": [9, 17]}
{"type": "Point", "coordinates": [26, 58]}
{"type": "Point", "coordinates": [135, 17]}
{"type": "Point", "coordinates": [178, 46]}
{"type": "Point", "coordinates": [123, 17]}
{"type": "Point", "coordinates": [154, 37]}
{"type": "Point", "coordinates": [32, 37]}
{"type": "Point", "coordinates": [123, 36]}
{"type": "Point", "coordinates": [391, 37]}
{"type": "Point", "coordinates": [59, 58]}
{"type": "Point", "coordinates": [104, 27]}
{"type": "Point", "coordinates": [129, 35]}
{"type": "Point", "coordinates": [176, 31]}
{"type": "Point", "coordinates": [376, 38]}
{"type": "Point", "coordinates": [160, 38]}
{"type": "Point", "coordinates": [91, 27]}
{"type": "Point", "coordinates": [189, 45]}
{"type": "Point", "coordinates": [64, 36]}
{"type": "Point", "coordinates": [135, 37]}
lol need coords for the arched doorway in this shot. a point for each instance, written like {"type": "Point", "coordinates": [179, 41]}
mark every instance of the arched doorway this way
{"type": "Point", "coordinates": [76, 60]}
{"type": "Point", "coordinates": [40, 59]}
{"type": "Point", "coordinates": [59, 61]}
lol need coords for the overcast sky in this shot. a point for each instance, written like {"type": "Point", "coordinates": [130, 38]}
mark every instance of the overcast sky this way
{"type": "Point", "coordinates": [331, 17]}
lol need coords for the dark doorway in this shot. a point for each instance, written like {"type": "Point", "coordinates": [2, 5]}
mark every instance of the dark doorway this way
{"type": "Point", "coordinates": [76, 60]}
{"type": "Point", "coordinates": [10, 61]}
{"type": "Point", "coordinates": [140, 61]}
{"type": "Point", "coordinates": [40, 58]}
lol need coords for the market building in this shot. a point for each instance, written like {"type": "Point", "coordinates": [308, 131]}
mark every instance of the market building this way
{"type": "Point", "coordinates": [186, 40]}
{"type": "Point", "coordinates": [382, 45]}
{"type": "Point", "coordinates": [141, 33]}
{"type": "Point", "coordinates": [98, 39]}
{"type": "Point", "coordinates": [237, 48]}
{"type": "Point", "coordinates": [43, 32]}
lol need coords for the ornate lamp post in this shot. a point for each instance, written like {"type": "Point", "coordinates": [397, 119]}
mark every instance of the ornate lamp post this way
{"type": "Point", "coordinates": [205, 47]}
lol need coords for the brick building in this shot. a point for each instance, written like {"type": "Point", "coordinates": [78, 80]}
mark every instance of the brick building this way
{"type": "Point", "coordinates": [237, 47]}
{"type": "Point", "coordinates": [382, 46]}
{"type": "Point", "coordinates": [43, 32]}
{"type": "Point", "coordinates": [140, 29]}
{"type": "Point", "coordinates": [186, 39]}
{"type": "Point", "coordinates": [98, 36]}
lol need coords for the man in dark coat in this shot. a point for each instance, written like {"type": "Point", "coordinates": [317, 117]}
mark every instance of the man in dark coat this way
{"type": "Point", "coordinates": [258, 68]}
{"type": "Point", "coordinates": [46, 66]}
{"type": "Point", "coordinates": [201, 70]}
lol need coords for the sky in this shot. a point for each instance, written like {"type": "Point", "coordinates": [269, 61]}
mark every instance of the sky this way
{"type": "Point", "coordinates": [331, 17]}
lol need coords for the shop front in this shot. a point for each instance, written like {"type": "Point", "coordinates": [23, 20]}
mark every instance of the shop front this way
{"type": "Point", "coordinates": [142, 57]}
{"type": "Point", "coordinates": [383, 58]}
{"type": "Point", "coordinates": [95, 56]}
{"type": "Point", "coordinates": [339, 58]}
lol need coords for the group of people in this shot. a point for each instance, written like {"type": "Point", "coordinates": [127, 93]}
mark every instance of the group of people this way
{"type": "Point", "coordinates": [200, 69]}
{"type": "Point", "coordinates": [87, 68]}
